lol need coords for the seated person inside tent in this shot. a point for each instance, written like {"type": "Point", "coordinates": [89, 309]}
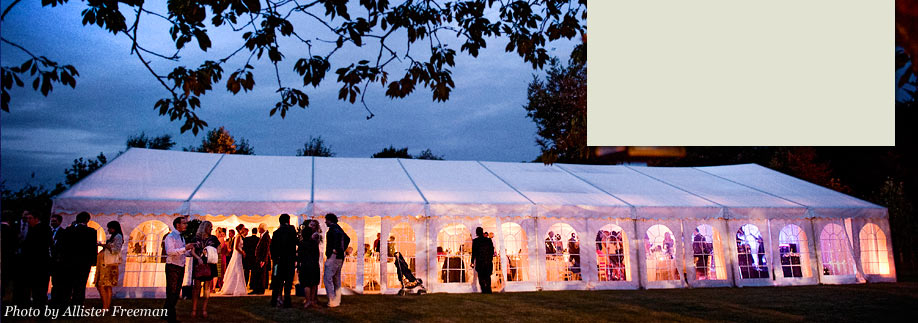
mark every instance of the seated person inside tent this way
{"type": "Point", "coordinates": [573, 247]}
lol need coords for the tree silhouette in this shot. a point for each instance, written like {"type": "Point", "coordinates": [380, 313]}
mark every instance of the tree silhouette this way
{"type": "Point", "coordinates": [558, 107]}
{"type": "Point", "coordinates": [315, 147]}
{"type": "Point", "coordinates": [82, 168]}
{"type": "Point", "coordinates": [392, 152]}
{"type": "Point", "coordinates": [391, 29]}
{"type": "Point", "coordinates": [163, 142]}
{"type": "Point", "coordinates": [427, 154]}
{"type": "Point", "coordinates": [219, 141]}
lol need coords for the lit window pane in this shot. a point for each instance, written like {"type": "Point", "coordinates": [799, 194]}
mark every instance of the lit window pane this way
{"type": "Point", "coordinates": [660, 251]}
{"type": "Point", "coordinates": [611, 253]}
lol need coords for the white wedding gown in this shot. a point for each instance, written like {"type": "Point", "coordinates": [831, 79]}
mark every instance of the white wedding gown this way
{"type": "Point", "coordinates": [234, 279]}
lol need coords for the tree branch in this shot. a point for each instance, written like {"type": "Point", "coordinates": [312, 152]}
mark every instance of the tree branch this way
{"type": "Point", "coordinates": [136, 22]}
{"type": "Point", "coordinates": [158, 78]}
{"type": "Point", "coordinates": [19, 47]}
{"type": "Point", "coordinates": [7, 10]}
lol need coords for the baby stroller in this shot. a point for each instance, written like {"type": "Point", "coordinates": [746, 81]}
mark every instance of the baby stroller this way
{"type": "Point", "coordinates": [410, 284]}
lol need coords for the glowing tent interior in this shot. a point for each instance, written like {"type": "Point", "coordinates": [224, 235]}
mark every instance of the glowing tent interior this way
{"type": "Point", "coordinates": [554, 227]}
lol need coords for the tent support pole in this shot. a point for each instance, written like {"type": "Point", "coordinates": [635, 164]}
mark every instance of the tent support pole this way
{"type": "Point", "coordinates": [431, 272]}
{"type": "Point", "coordinates": [502, 256]}
{"type": "Point", "coordinates": [637, 243]}
{"type": "Point", "coordinates": [685, 255]}
{"type": "Point", "coordinates": [540, 251]}
{"type": "Point", "coordinates": [816, 251]}
{"type": "Point", "coordinates": [771, 250]}
{"type": "Point", "coordinates": [854, 253]}
{"type": "Point", "coordinates": [733, 256]}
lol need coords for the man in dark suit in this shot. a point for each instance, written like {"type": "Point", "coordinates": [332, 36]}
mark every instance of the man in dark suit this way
{"type": "Point", "coordinates": [482, 257]}
{"type": "Point", "coordinates": [262, 261]}
{"type": "Point", "coordinates": [249, 243]}
{"type": "Point", "coordinates": [283, 252]}
{"type": "Point", "coordinates": [35, 262]}
{"type": "Point", "coordinates": [57, 259]}
{"type": "Point", "coordinates": [79, 248]}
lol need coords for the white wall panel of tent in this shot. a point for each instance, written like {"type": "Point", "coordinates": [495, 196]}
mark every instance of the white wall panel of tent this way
{"type": "Point", "coordinates": [620, 227]}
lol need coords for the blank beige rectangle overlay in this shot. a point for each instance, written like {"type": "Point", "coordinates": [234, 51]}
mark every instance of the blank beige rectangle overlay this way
{"type": "Point", "coordinates": [736, 72]}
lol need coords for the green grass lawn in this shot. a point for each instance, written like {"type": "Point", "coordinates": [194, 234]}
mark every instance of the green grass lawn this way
{"type": "Point", "coordinates": [862, 303]}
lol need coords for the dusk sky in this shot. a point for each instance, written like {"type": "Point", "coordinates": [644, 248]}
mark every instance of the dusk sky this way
{"type": "Point", "coordinates": [483, 120]}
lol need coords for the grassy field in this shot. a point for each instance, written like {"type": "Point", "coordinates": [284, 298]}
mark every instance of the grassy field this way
{"type": "Point", "coordinates": [860, 303]}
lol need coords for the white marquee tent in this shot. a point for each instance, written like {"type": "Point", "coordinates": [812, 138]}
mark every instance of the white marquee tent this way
{"type": "Point", "coordinates": [555, 227]}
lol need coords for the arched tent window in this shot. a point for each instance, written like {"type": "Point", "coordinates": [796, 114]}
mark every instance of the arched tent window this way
{"type": "Point", "coordinates": [833, 247]}
{"type": "Point", "coordinates": [612, 253]}
{"type": "Point", "coordinates": [349, 269]}
{"type": "Point", "coordinates": [751, 252]}
{"type": "Point", "coordinates": [660, 251]}
{"type": "Point", "coordinates": [371, 256]}
{"type": "Point", "coordinates": [794, 251]}
{"type": "Point", "coordinates": [454, 253]}
{"type": "Point", "coordinates": [401, 241]}
{"type": "Point", "coordinates": [562, 253]}
{"type": "Point", "coordinates": [145, 264]}
{"type": "Point", "coordinates": [516, 247]}
{"type": "Point", "coordinates": [707, 253]}
{"type": "Point", "coordinates": [100, 237]}
{"type": "Point", "coordinates": [874, 256]}
{"type": "Point", "coordinates": [101, 233]}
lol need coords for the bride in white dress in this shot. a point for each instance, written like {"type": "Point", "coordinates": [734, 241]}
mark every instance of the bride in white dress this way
{"type": "Point", "coordinates": [234, 279]}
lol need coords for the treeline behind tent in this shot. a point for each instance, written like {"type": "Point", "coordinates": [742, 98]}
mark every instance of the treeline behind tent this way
{"type": "Point", "coordinates": [554, 227]}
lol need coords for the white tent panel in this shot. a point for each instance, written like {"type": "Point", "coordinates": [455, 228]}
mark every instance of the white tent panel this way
{"type": "Point", "coordinates": [558, 193]}
{"type": "Point", "coordinates": [712, 188]}
{"type": "Point", "coordinates": [651, 198]}
{"type": "Point", "coordinates": [550, 185]}
{"type": "Point", "coordinates": [634, 188]}
{"type": "Point", "coordinates": [256, 185]}
{"type": "Point", "coordinates": [364, 187]}
{"type": "Point", "coordinates": [140, 181]}
{"type": "Point", "coordinates": [463, 188]}
{"type": "Point", "coordinates": [368, 209]}
{"type": "Point", "coordinates": [663, 212]}
{"type": "Point", "coordinates": [741, 201]}
{"type": "Point", "coordinates": [825, 202]}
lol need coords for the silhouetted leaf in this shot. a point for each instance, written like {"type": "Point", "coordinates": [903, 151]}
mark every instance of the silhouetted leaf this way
{"type": "Point", "coordinates": [203, 39]}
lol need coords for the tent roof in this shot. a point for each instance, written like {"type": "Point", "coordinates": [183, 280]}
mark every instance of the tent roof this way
{"type": "Point", "coordinates": [822, 201]}
{"type": "Point", "coordinates": [171, 182]}
{"type": "Point", "coordinates": [140, 181]}
{"type": "Point", "coordinates": [247, 185]}
{"type": "Point", "coordinates": [635, 188]}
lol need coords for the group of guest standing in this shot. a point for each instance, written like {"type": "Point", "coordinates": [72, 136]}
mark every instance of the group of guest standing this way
{"type": "Point", "coordinates": [290, 250]}
{"type": "Point", "coordinates": [35, 251]}
{"type": "Point", "coordinates": [39, 251]}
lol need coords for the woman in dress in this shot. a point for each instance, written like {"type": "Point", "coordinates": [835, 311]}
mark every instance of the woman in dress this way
{"type": "Point", "coordinates": [308, 260]}
{"type": "Point", "coordinates": [234, 278]}
{"type": "Point", "coordinates": [205, 246]}
{"type": "Point", "coordinates": [109, 261]}
{"type": "Point", "coordinates": [226, 253]}
{"type": "Point", "coordinates": [221, 263]}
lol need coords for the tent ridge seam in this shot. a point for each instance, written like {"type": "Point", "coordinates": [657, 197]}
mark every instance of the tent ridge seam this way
{"type": "Point", "coordinates": [399, 160]}
{"type": "Point", "coordinates": [594, 186]}
{"type": "Point", "coordinates": [676, 187]}
{"type": "Point", "coordinates": [505, 182]}
{"type": "Point", "coordinates": [205, 178]}
{"type": "Point", "coordinates": [753, 188]}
